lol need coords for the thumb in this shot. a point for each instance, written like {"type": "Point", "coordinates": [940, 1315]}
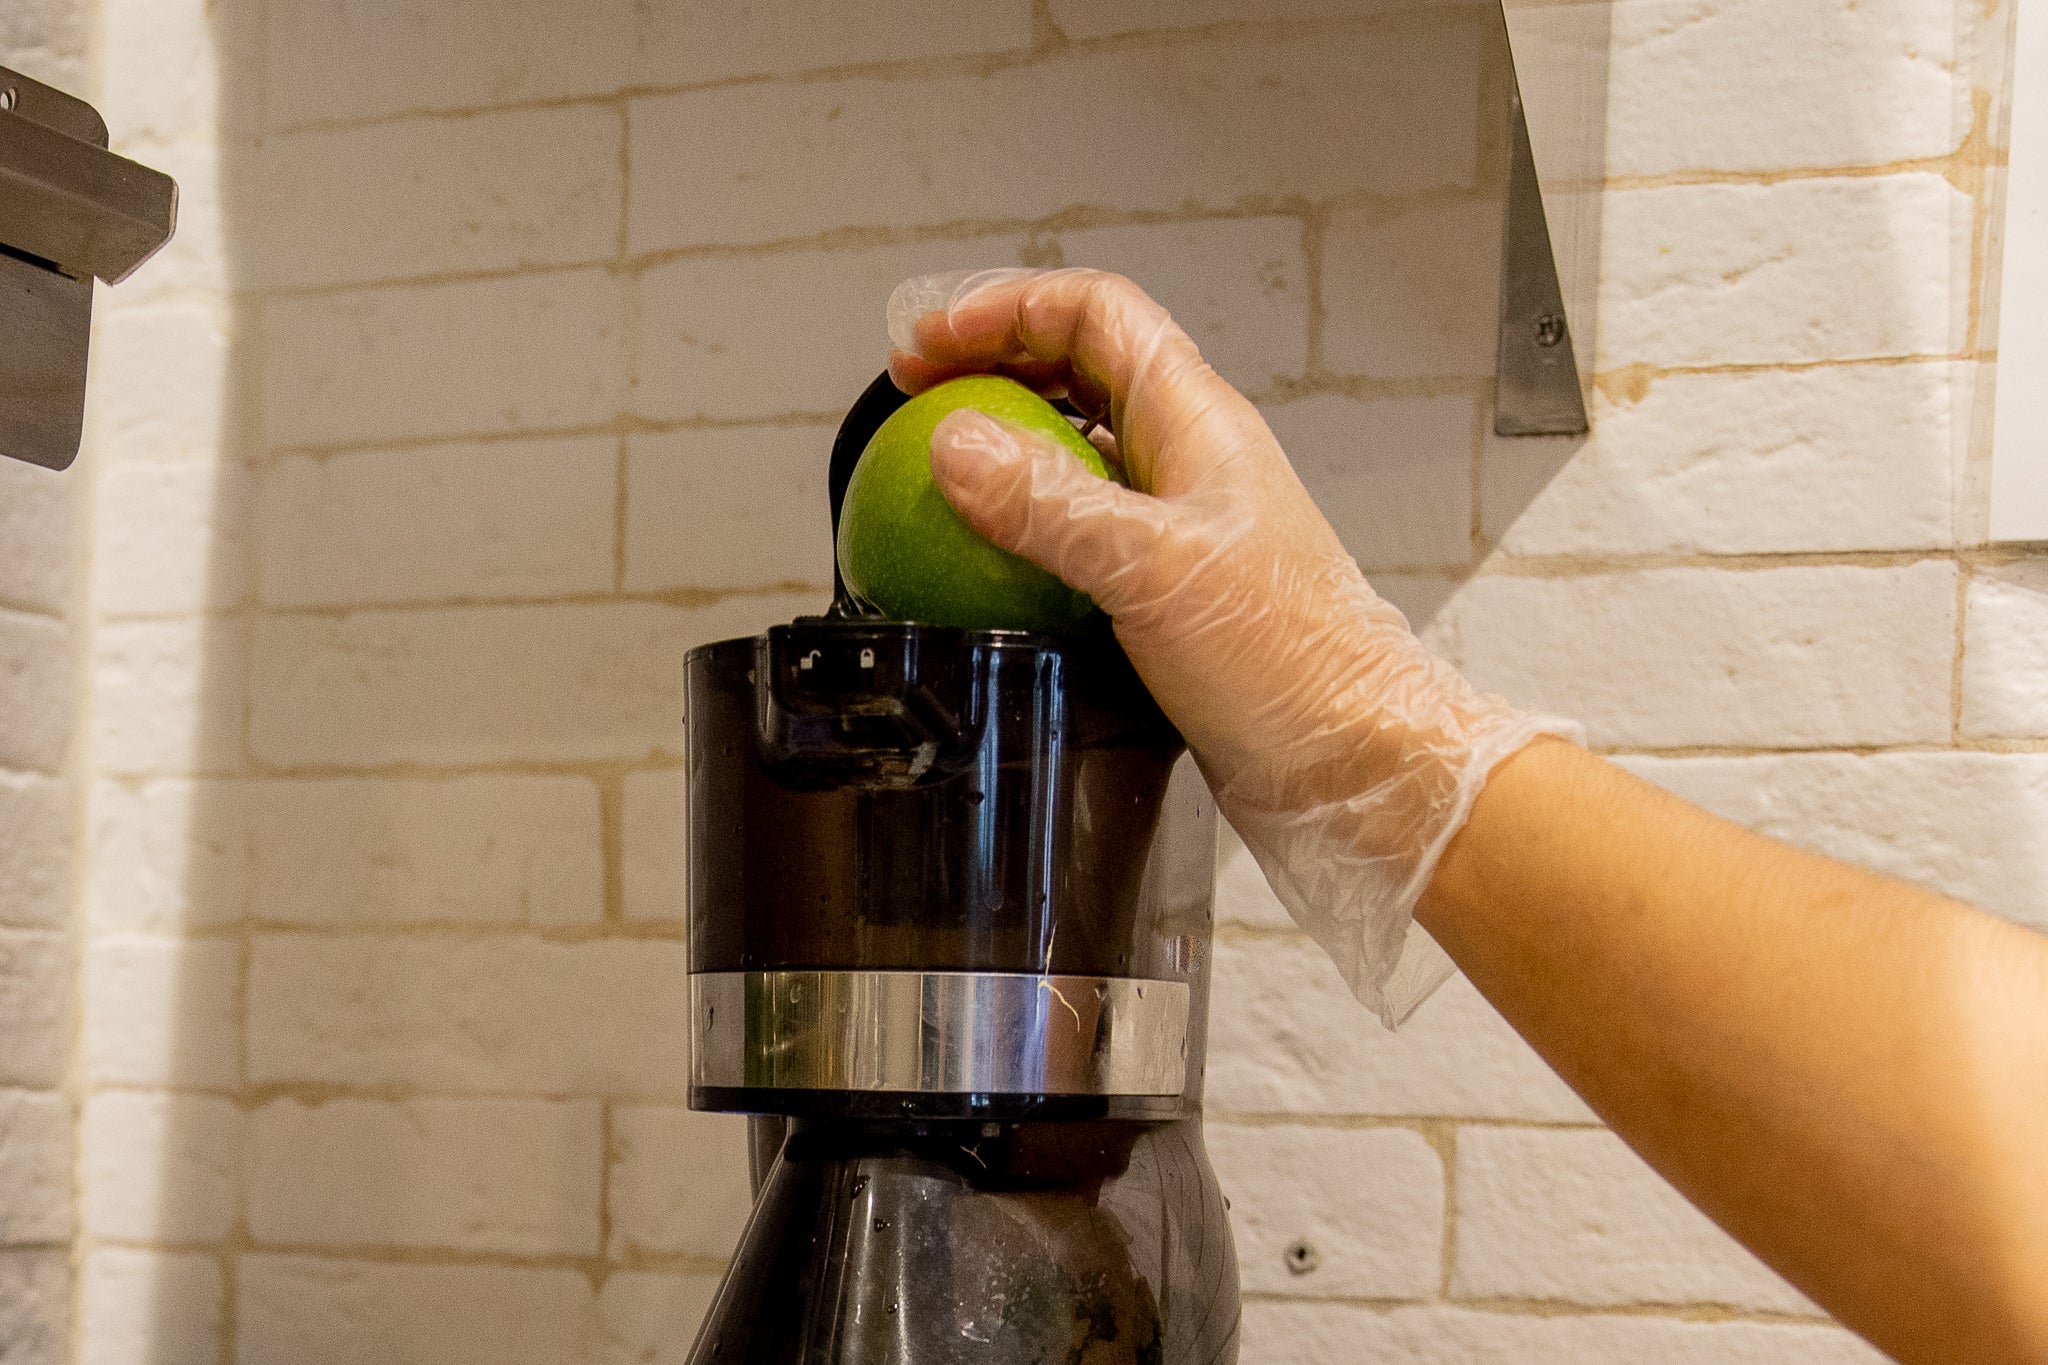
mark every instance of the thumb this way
{"type": "Point", "coordinates": [1029, 495]}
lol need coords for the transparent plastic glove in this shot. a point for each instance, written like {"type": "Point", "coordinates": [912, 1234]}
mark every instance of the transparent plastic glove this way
{"type": "Point", "coordinates": [1343, 752]}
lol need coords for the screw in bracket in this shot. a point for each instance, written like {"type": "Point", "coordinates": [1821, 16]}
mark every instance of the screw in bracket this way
{"type": "Point", "coordinates": [1549, 330]}
{"type": "Point", "coordinates": [9, 96]}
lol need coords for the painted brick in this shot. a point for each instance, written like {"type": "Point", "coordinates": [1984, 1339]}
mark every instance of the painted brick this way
{"type": "Point", "coordinates": [355, 59]}
{"type": "Point", "coordinates": [496, 355]}
{"type": "Point", "coordinates": [1286, 1037]}
{"type": "Point", "coordinates": [1243, 896]}
{"type": "Point", "coordinates": [1762, 274]}
{"type": "Point", "coordinates": [468, 685]}
{"type": "Point", "coordinates": [1773, 658]}
{"type": "Point", "coordinates": [484, 684]}
{"type": "Point", "coordinates": [487, 1175]}
{"type": "Point", "coordinates": [35, 1168]}
{"type": "Point", "coordinates": [174, 73]}
{"type": "Point", "coordinates": [159, 1168]}
{"type": "Point", "coordinates": [652, 1319]}
{"type": "Point", "coordinates": [35, 1306]}
{"type": "Point", "coordinates": [695, 520]}
{"type": "Point", "coordinates": [1736, 464]}
{"type": "Point", "coordinates": [676, 46]}
{"type": "Point", "coordinates": [1393, 475]}
{"type": "Point", "coordinates": [1224, 129]}
{"type": "Point", "coordinates": [1970, 825]}
{"type": "Point", "coordinates": [46, 40]}
{"type": "Point", "coordinates": [678, 1181]}
{"type": "Point", "coordinates": [166, 854]}
{"type": "Point", "coordinates": [533, 187]}
{"type": "Point", "coordinates": [161, 1011]}
{"type": "Point", "coordinates": [2005, 653]}
{"type": "Point", "coordinates": [1305, 1334]}
{"type": "Point", "coordinates": [493, 519]}
{"type": "Point", "coordinates": [36, 527]}
{"type": "Point", "coordinates": [35, 858]}
{"type": "Point", "coordinates": [486, 848]}
{"type": "Point", "coordinates": [35, 691]}
{"type": "Point", "coordinates": [1238, 285]}
{"type": "Point", "coordinates": [149, 1308]}
{"type": "Point", "coordinates": [35, 992]}
{"type": "Point", "coordinates": [1576, 1217]}
{"type": "Point", "coordinates": [720, 335]}
{"type": "Point", "coordinates": [167, 696]}
{"type": "Point", "coordinates": [290, 1310]}
{"type": "Point", "coordinates": [171, 401]}
{"type": "Point", "coordinates": [1412, 292]}
{"type": "Point", "coordinates": [1368, 1201]}
{"type": "Point", "coordinates": [1735, 85]}
{"type": "Point", "coordinates": [456, 1015]}
{"type": "Point", "coordinates": [515, 849]}
{"type": "Point", "coordinates": [656, 856]}
{"type": "Point", "coordinates": [169, 539]}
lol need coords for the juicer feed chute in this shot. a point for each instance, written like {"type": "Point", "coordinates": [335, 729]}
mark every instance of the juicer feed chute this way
{"type": "Point", "coordinates": [950, 908]}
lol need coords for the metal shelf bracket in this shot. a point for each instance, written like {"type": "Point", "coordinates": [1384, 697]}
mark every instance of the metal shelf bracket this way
{"type": "Point", "coordinates": [70, 211]}
{"type": "Point", "coordinates": [1537, 389]}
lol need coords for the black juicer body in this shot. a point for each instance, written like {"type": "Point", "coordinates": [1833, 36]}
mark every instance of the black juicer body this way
{"type": "Point", "coordinates": [950, 907]}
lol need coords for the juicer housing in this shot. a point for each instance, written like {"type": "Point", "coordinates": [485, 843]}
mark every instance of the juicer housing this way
{"type": "Point", "coordinates": [950, 903]}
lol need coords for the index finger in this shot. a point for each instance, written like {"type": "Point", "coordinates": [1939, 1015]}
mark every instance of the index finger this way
{"type": "Point", "coordinates": [1120, 349]}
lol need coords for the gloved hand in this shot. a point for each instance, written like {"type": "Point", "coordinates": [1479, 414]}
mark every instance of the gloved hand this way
{"type": "Point", "coordinates": [1344, 753]}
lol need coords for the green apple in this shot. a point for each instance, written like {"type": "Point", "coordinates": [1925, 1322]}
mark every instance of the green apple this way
{"type": "Point", "coordinates": [903, 549]}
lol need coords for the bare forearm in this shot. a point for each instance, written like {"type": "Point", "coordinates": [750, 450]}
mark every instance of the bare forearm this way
{"type": "Point", "coordinates": [1851, 1075]}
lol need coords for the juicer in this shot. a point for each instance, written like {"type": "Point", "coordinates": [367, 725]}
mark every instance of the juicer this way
{"type": "Point", "coordinates": [950, 902]}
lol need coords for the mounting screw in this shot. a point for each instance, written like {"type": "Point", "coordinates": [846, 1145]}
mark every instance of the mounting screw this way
{"type": "Point", "coordinates": [1302, 1258]}
{"type": "Point", "coordinates": [8, 97]}
{"type": "Point", "coordinates": [1549, 329]}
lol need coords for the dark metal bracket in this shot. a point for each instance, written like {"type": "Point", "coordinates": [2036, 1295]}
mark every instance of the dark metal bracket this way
{"type": "Point", "coordinates": [1537, 388]}
{"type": "Point", "coordinates": [70, 211]}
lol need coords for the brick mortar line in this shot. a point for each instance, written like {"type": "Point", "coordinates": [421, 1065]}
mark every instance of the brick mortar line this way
{"type": "Point", "coordinates": [1493, 564]}
{"type": "Point", "coordinates": [1497, 564]}
{"type": "Point", "coordinates": [1625, 386]}
{"type": "Point", "coordinates": [597, 1266]}
{"type": "Point", "coordinates": [36, 611]}
{"type": "Point", "coordinates": [659, 759]}
{"type": "Point", "coordinates": [433, 931]}
{"type": "Point", "coordinates": [313, 1094]}
{"type": "Point", "coordinates": [1366, 1122]}
{"type": "Point", "coordinates": [631, 265]}
{"type": "Point", "coordinates": [1702, 1312]}
{"type": "Point", "coordinates": [915, 70]}
{"type": "Point", "coordinates": [851, 238]}
{"type": "Point", "coordinates": [686, 599]}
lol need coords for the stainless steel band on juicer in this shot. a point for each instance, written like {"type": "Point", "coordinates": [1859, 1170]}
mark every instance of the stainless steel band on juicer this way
{"type": "Point", "coordinates": [964, 1033]}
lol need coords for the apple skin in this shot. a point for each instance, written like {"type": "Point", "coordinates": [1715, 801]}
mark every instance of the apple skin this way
{"type": "Point", "coordinates": [904, 551]}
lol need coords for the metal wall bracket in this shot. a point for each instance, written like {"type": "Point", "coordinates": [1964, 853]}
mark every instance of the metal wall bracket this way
{"type": "Point", "coordinates": [70, 210]}
{"type": "Point", "coordinates": [1537, 390]}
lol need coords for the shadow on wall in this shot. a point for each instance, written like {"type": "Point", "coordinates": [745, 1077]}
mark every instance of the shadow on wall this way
{"type": "Point", "coordinates": [531, 386]}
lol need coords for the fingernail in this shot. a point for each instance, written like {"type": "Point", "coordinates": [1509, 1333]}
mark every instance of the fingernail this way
{"type": "Point", "coordinates": [922, 294]}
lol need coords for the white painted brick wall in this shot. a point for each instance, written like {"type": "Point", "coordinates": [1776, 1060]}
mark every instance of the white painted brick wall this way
{"type": "Point", "coordinates": [161, 1307]}
{"type": "Point", "coordinates": [499, 519]}
{"type": "Point", "coordinates": [1573, 1216]}
{"type": "Point", "coordinates": [495, 365]}
{"type": "Point", "coordinates": [447, 1173]}
{"type": "Point", "coordinates": [678, 1181]}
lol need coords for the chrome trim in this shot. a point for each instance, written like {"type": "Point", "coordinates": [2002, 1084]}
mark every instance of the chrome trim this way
{"type": "Point", "coordinates": [981, 1033]}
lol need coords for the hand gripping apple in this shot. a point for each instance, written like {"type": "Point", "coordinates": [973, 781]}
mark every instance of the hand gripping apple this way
{"type": "Point", "coordinates": [1344, 753]}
